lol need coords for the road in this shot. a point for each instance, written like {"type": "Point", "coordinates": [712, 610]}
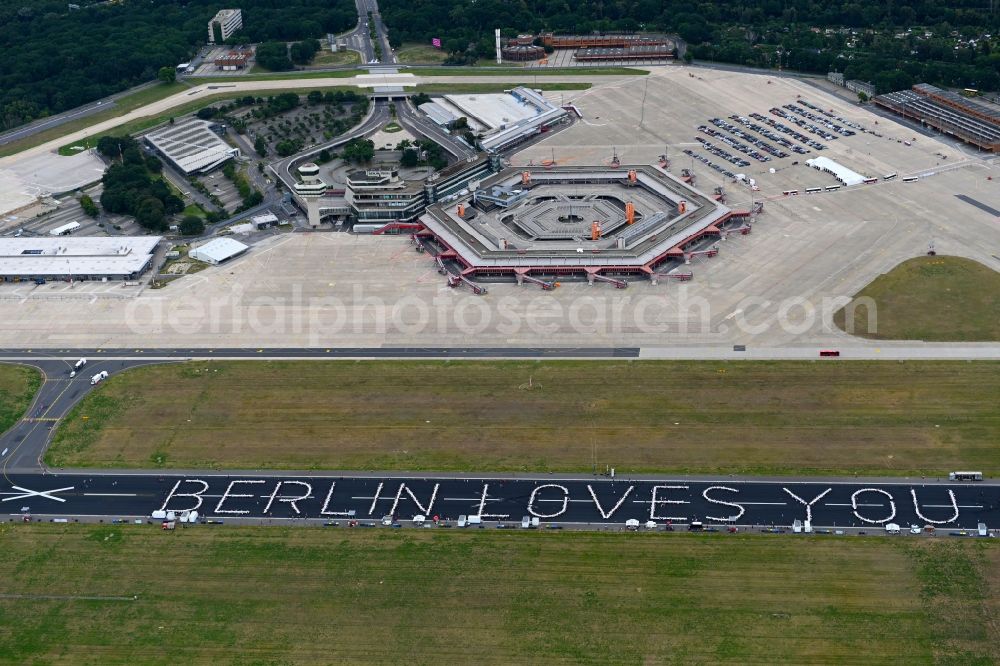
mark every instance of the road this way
{"type": "Point", "coordinates": [59, 393]}
{"type": "Point", "coordinates": [283, 169]}
{"type": "Point", "coordinates": [418, 125]}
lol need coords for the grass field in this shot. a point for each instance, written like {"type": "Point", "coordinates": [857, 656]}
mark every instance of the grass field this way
{"type": "Point", "coordinates": [18, 385]}
{"type": "Point", "coordinates": [327, 58]}
{"type": "Point", "coordinates": [698, 417]}
{"type": "Point", "coordinates": [934, 299]}
{"type": "Point", "coordinates": [303, 596]}
{"type": "Point", "coordinates": [420, 53]}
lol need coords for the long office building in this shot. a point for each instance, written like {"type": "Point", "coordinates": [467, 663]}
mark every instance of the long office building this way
{"type": "Point", "coordinates": [973, 121]}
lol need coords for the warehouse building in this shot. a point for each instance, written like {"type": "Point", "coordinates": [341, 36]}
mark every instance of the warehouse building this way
{"type": "Point", "coordinates": [77, 258]}
{"type": "Point", "coordinates": [219, 250]}
{"type": "Point", "coordinates": [234, 60]}
{"type": "Point", "coordinates": [192, 146]}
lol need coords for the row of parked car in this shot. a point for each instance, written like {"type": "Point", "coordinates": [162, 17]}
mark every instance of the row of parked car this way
{"type": "Point", "coordinates": [763, 131]}
{"type": "Point", "coordinates": [733, 143]}
{"type": "Point", "coordinates": [704, 160]}
{"type": "Point", "coordinates": [824, 122]}
{"type": "Point", "coordinates": [812, 129]}
{"type": "Point", "coordinates": [785, 129]}
{"type": "Point", "coordinates": [746, 136]}
{"type": "Point", "coordinates": [724, 154]}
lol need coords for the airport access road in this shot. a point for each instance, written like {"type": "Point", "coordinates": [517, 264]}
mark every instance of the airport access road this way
{"type": "Point", "coordinates": [588, 501]}
{"type": "Point", "coordinates": [22, 446]}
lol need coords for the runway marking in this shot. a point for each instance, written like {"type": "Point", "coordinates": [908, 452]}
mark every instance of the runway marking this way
{"type": "Point", "coordinates": [25, 493]}
{"type": "Point", "coordinates": [111, 494]}
{"type": "Point", "coordinates": [835, 504]}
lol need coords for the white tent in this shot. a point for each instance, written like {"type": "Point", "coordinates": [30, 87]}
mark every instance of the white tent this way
{"type": "Point", "coordinates": [219, 250]}
{"type": "Point", "coordinates": [839, 171]}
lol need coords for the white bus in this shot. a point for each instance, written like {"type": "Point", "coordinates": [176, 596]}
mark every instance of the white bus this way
{"type": "Point", "coordinates": [965, 476]}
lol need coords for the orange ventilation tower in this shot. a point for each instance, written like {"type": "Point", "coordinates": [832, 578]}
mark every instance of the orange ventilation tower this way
{"type": "Point", "coordinates": [595, 230]}
{"type": "Point", "coordinates": [630, 212]}
{"type": "Point", "coordinates": [682, 206]}
{"type": "Point", "coordinates": [461, 210]}
{"type": "Point", "coordinates": [526, 178]}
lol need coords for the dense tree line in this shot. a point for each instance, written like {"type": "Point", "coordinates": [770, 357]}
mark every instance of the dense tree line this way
{"type": "Point", "coordinates": [56, 58]}
{"type": "Point", "coordinates": [749, 32]}
{"type": "Point", "coordinates": [132, 185]}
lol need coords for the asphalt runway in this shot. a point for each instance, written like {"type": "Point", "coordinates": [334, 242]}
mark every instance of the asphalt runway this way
{"type": "Point", "coordinates": [590, 501]}
{"type": "Point", "coordinates": [130, 355]}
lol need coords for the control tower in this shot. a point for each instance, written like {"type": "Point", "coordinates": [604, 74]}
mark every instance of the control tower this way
{"type": "Point", "coordinates": [311, 188]}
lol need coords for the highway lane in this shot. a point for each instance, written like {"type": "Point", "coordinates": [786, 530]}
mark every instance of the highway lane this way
{"type": "Point", "coordinates": [585, 501]}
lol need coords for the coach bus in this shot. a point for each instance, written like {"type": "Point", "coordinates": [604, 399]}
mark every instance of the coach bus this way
{"type": "Point", "coordinates": [965, 476]}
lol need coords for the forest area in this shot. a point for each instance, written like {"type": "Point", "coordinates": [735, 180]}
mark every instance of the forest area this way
{"type": "Point", "coordinates": [57, 58]}
{"type": "Point", "coordinates": [804, 35]}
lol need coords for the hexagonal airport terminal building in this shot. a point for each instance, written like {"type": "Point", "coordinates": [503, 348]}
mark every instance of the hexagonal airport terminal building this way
{"type": "Point", "coordinates": [311, 188]}
{"type": "Point", "coordinates": [600, 222]}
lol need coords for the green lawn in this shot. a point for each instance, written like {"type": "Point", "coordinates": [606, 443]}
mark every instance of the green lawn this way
{"type": "Point", "coordinates": [327, 58]}
{"type": "Point", "coordinates": [18, 385]}
{"type": "Point", "coordinates": [805, 417]}
{"type": "Point", "coordinates": [193, 209]}
{"type": "Point", "coordinates": [122, 106]}
{"type": "Point", "coordinates": [420, 53]}
{"type": "Point", "coordinates": [103, 594]}
{"type": "Point", "coordinates": [943, 299]}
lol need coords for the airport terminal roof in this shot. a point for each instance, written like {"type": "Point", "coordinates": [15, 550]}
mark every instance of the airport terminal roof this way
{"type": "Point", "coordinates": [493, 110]}
{"type": "Point", "coordinates": [438, 113]}
{"type": "Point", "coordinates": [87, 255]}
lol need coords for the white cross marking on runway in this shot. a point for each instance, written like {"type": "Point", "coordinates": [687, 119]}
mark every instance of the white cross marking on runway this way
{"type": "Point", "coordinates": [47, 494]}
